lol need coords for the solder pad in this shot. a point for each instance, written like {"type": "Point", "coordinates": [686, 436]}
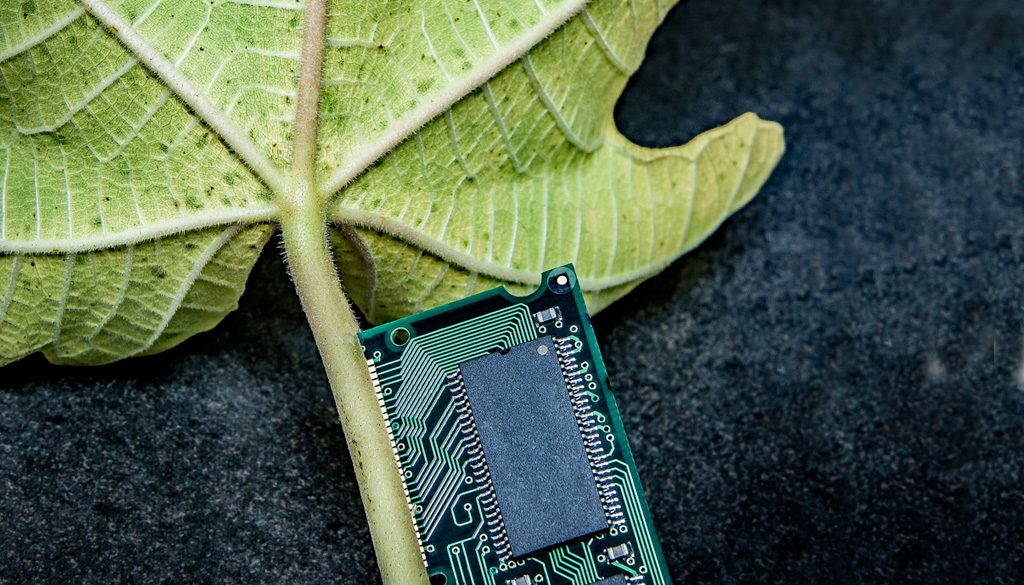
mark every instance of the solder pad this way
{"type": "Point", "coordinates": [509, 442]}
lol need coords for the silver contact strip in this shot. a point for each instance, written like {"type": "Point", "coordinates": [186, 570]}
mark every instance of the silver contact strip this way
{"type": "Point", "coordinates": [478, 468]}
{"type": "Point", "coordinates": [596, 454]}
{"type": "Point", "coordinates": [398, 458]}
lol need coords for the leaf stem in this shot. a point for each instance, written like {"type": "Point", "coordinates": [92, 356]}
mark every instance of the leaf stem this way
{"type": "Point", "coordinates": [304, 229]}
{"type": "Point", "coordinates": [335, 328]}
{"type": "Point", "coordinates": [307, 107]}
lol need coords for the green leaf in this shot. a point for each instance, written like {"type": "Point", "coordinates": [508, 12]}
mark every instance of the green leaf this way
{"type": "Point", "coordinates": [149, 148]}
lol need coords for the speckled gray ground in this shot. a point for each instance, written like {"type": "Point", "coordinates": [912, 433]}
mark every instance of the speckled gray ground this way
{"type": "Point", "coordinates": [830, 390]}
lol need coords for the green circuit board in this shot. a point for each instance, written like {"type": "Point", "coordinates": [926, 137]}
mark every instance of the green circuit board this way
{"type": "Point", "coordinates": [509, 442]}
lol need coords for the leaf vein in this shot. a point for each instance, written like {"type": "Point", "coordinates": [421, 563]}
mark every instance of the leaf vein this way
{"type": "Point", "coordinates": [545, 99]}
{"type": "Point", "coordinates": [26, 45]}
{"type": "Point", "coordinates": [122, 293]}
{"type": "Point", "coordinates": [3, 195]}
{"type": "Point", "coordinates": [429, 109]}
{"type": "Point", "coordinates": [151, 231]}
{"type": "Point", "coordinates": [186, 91]}
{"type": "Point", "coordinates": [62, 303]}
{"type": "Point", "coordinates": [602, 42]}
{"type": "Point", "coordinates": [186, 285]}
{"type": "Point", "coordinates": [9, 293]}
{"type": "Point", "coordinates": [74, 109]}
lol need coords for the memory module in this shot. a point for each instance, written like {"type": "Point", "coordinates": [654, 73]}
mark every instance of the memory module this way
{"type": "Point", "coordinates": [509, 442]}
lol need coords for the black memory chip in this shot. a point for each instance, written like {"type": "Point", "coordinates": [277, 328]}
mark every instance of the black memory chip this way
{"type": "Point", "coordinates": [531, 442]}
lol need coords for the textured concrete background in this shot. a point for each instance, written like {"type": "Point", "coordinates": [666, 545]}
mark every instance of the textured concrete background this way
{"type": "Point", "coordinates": [831, 390]}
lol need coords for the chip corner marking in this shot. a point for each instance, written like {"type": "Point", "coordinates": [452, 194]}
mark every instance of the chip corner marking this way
{"type": "Point", "coordinates": [375, 380]}
{"type": "Point", "coordinates": [478, 467]}
{"type": "Point", "coordinates": [596, 454]}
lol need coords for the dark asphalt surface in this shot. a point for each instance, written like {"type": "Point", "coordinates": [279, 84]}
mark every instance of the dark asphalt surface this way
{"type": "Point", "coordinates": [831, 390]}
